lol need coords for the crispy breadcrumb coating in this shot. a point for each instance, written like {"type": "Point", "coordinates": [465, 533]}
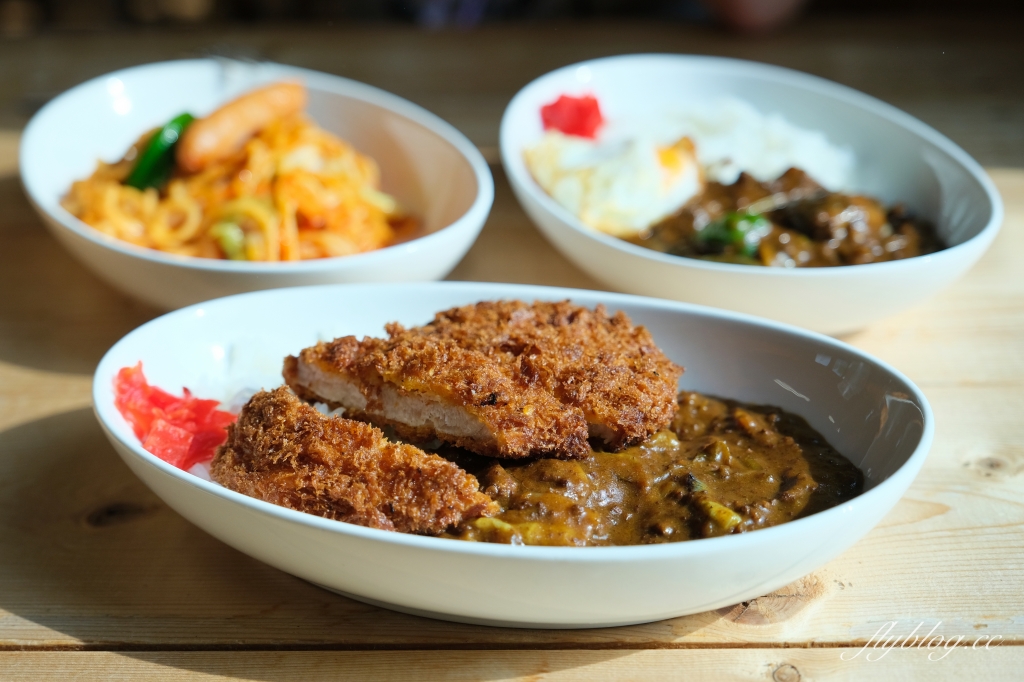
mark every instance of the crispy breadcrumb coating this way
{"type": "Point", "coordinates": [602, 364]}
{"type": "Point", "coordinates": [425, 389]}
{"type": "Point", "coordinates": [284, 451]}
{"type": "Point", "coordinates": [505, 379]}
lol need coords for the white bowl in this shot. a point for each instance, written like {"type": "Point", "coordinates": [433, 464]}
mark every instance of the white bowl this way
{"type": "Point", "coordinates": [433, 170]}
{"type": "Point", "coordinates": [229, 348]}
{"type": "Point", "coordinates": [899, 159]}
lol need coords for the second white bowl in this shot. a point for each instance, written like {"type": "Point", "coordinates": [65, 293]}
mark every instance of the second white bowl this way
{"type": "Point", "coordinates": [899, 160]}
{"type": "Point", "coordinates": [433, 170]}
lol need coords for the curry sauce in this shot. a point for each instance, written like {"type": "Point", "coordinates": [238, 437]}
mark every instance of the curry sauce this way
{"type": "Point", "coordinates": [722, 467]}
{"type": "Point", "coordinates": [791, 222]}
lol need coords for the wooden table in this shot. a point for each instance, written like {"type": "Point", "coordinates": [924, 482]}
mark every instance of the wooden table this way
{"type": "Point", "coordinates": [100, 580]}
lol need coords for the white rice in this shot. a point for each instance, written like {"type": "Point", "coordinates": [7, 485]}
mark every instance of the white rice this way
{"type": "Point", "coordinates": [732, 136]}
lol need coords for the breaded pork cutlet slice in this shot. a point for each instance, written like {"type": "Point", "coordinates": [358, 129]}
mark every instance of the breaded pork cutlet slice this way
{"type": "Point", "coordinates": [428, 388]}
{"type": "Point", "coordinates": [602, 364]}
{"type": "Point", "coordinates": [284, 451]}
{"type": "Point", "coordinates": [506, 379]}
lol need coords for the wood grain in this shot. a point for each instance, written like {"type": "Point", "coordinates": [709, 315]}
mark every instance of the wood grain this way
{"type": "Point", "coordinates": [717, 665]}
{"type": "Point", "coordinates": [101, 581]}
{"type": "Point", "coordinates": [93, 560]}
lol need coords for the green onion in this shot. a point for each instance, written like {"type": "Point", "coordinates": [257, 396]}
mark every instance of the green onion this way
{"type": "Point", "coordinates": [157, 160]}
{"type": "Point", "coordinates": [230, 238]}
{"type": "Point", "coordinates": [720, 515]}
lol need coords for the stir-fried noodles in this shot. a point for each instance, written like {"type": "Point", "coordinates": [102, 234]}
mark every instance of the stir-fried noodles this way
{"type": "Point", "coordinates": [292, 192]}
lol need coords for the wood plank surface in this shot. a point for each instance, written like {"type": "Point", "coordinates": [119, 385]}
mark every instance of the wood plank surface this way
{"type": "Point", "coordinates": [713, 665]}
{"type": "Point", "coordinates": [93, 560]}
{"type": "Point", "coordinates": [100, 580]}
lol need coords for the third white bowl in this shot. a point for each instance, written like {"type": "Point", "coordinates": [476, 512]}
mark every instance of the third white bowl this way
{"type": "Point", "coordinates": [899, 160]}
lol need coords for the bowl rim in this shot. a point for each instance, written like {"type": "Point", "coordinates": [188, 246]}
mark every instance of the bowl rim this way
{"type": "Point", "coordinates": [522, 180]}
{"type": "Point", "coordinates": [105, 411]}
{"type": "Point", "coordinates": [316, 80]}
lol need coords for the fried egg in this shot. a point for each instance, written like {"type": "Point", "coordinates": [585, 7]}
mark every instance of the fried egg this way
{"type": "Point", "coordinates": [620, 187]}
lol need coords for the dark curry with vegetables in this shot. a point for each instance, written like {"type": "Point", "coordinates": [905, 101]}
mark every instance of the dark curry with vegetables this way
{"type": "Point", "coordinates": [722, 467]}
{"type": "Point", "coordinates": [789, 222]}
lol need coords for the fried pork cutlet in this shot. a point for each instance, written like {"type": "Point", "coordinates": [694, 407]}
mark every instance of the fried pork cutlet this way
{"type": "Point", "coordinates": [284, 451]}
{"type": "Point", "coordinates": [430, 388]}
{"type": "Point", "coordinates": [601, 364]}
{"type": "Point", "coordinates": [505, 379]}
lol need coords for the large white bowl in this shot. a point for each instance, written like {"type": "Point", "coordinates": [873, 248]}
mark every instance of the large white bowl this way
{"type": "Point", "coordinates": [899, 159]}
{"type": "Point", "coordinates": [228, 348]}
{"type": "Point", "coordinates": [434, 171]}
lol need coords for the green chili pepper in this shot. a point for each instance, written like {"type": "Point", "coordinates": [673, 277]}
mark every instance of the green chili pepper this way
{"type": "Point", "coordinates": [230, 238]}
{"type": "Point", "coordinates": [156, 161]}
{"type": "Point", "coordinates": [742, 230]}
